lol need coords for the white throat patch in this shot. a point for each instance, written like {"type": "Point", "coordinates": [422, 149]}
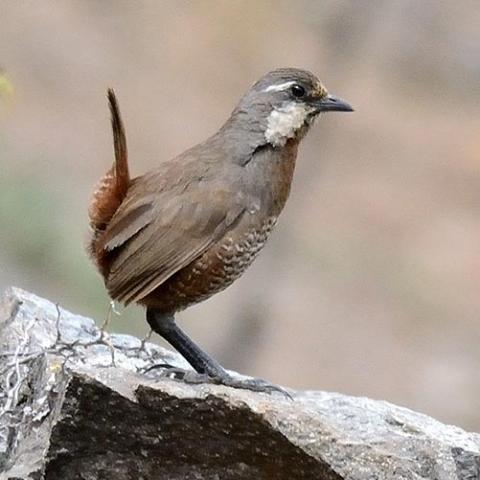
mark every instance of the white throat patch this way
{"type": "Point", "coordinates": [285, 121]}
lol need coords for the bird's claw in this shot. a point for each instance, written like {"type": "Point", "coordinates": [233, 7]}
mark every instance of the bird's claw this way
{"type": "Point", "coordinates": [193, 378]}
{"type": "Point", "coordinates": [254, 385]}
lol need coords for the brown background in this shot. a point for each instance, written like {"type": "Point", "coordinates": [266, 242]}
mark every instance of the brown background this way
{"type": "Point", "coordinates": [370, 284]}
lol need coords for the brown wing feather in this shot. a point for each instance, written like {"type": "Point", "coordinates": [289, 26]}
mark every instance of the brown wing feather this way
{"type": "Point", "coordinates": [178, 234]}
{"type": "Point", "coordinates": [129, 223]}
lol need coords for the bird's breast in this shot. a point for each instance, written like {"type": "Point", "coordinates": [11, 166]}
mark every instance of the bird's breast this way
{"type": "Point", "coordinates": [216, 269]}
{"type": "Point", "coordinates": [270, 175]}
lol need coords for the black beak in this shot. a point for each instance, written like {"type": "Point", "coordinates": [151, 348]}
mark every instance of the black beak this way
{"type": "Point", "coordinates": [331, 103]}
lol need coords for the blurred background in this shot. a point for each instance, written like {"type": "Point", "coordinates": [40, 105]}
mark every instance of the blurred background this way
{"type": "Point", "coordinates": [370, 283]}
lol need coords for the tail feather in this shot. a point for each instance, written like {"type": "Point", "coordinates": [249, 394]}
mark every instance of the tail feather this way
{"type": "Point", "coordinates": [112, 188]}
{"type": "Point", "coordinates": [122, 175]}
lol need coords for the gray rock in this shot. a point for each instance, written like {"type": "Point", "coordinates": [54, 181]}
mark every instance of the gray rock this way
{"type": "Point", "coordinates": [74, 405]}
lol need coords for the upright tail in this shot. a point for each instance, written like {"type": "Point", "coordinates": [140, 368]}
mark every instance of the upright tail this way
{"type": "Point", "coordinates": [113, 186]}
{"type": "Point", "coordinates": [122, 176]}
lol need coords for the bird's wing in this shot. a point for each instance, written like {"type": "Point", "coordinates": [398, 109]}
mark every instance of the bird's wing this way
{"type": "Point", "coordinates": [151, 240]}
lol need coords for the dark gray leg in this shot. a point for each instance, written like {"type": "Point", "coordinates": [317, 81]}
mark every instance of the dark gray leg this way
{"type": "Point", "coordinates": [209, 370]}
{"type": "Point", "coordinates": [166, 327]}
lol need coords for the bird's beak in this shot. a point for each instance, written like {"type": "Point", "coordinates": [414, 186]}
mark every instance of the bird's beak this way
{"type": "Point", "coordinates": [331, 103]}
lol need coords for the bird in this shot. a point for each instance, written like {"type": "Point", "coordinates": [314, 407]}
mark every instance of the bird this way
{"type": "Point", "coordinates": [188, 228]}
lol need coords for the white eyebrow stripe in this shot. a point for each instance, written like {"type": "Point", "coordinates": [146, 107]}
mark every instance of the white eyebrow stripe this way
{"type": "Point", "coordinates": [279, 87]}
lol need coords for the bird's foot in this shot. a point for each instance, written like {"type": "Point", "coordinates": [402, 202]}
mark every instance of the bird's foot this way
{"type": "Point", "coordinates": [252, 384]}
{"type": "Point", "coordinates": [193, 378]}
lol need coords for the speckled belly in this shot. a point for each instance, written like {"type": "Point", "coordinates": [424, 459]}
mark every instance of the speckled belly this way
{"type": "Point", "coordinates": [212, 272]}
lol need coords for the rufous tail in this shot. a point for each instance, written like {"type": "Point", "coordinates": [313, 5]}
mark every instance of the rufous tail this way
{"type": "Point", "coordinates": [122, 176]}
{"type": "Point", "coordinates": [112, 188]}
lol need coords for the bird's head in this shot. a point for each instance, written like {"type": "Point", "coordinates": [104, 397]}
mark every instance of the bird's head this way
{"type": "Point", "coordinates": [283, 104]}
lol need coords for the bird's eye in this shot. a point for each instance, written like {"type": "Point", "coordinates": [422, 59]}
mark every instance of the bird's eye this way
{"type": "Point", "coordinates": [297, 90]}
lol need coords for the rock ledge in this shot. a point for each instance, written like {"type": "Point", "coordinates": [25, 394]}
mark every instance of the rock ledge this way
{"type": "Point", "coordinates": [74, 405]}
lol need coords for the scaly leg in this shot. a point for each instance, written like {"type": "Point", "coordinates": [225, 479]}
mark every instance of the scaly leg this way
{"type": "Point", "coordinates": [208, 370]}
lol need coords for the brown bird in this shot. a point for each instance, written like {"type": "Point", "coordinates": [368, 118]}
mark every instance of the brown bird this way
{"type": "Point", "coordinates": [188, 228]}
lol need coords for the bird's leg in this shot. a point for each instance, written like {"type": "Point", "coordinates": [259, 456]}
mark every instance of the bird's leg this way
{"type": "Point", "coordinates": [208, 370]}
{"type": "Point", "coordinates": [166, 327]}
